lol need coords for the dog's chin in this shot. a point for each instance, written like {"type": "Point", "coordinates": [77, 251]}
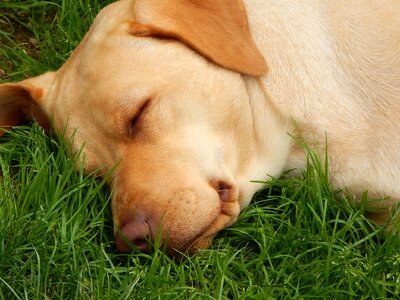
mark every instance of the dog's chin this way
{"type": "Point", "coordinates": [201, 243]}
{"type": "Point", "coordinates": [191, 248]}
{"type": "Point", "coordinates": [202, 240]}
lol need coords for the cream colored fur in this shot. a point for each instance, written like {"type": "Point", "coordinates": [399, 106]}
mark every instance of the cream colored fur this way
{"type": "Point", "coordinates": [335, 68]}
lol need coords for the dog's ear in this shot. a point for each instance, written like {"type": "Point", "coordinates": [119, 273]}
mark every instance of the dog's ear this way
{"type": "Point", "coordinates": [217, 29]}
{"type": "Point", "coordinates": [25, 101]}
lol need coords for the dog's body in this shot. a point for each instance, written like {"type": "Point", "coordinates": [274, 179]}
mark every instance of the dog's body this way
{"type": "Point", "coordinates": [179, 92]}
{"type": "Point", "coordinates": [345, 56]}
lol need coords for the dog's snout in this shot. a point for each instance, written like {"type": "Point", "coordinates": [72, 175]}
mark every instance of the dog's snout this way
{"type": "Point", "coordinates": [134, 234]}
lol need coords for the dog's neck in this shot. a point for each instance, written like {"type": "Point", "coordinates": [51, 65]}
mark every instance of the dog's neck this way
{"type": "Point", "coordinates": [270, 138]}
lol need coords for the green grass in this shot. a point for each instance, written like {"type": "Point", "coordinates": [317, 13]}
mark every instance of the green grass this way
{"type": "Point", "coordinates": [298, 239]}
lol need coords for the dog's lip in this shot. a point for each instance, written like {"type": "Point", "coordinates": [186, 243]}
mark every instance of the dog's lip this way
{"type": "Point", "coordinates": [176, 247]}
{"type": "Point", "coordinates": [189, 245]}
{"type": "Point", "coordinates": [200, 240]}
{"type": "Point", "coordinates": [207, 234]}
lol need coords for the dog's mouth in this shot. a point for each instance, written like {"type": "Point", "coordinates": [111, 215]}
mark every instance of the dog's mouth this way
{"type": "Point", "coordinates": [174, 246]}
{"type": "Point", "coordinates": [176, 232]}
{"type": "Point", "coordinates": [201, 241]}
{"type": "Point", "coordinates": [206, 236]}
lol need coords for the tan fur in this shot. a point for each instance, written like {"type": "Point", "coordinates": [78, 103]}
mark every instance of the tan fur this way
{"type": "Point", "coordinates": [207, 26]}
{"type": "Point", "coordinates": [207, 124]}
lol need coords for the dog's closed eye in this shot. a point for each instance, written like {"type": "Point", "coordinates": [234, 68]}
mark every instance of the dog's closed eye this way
{"type": "Point", "coordinates": [134, 121]}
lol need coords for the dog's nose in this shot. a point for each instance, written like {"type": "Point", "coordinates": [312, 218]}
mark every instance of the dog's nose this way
{"type": "Point", "coordinates": [134, 233]}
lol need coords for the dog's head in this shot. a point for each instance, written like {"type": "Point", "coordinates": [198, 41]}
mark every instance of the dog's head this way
{"type": "Point", "coordinates": [161, 89]}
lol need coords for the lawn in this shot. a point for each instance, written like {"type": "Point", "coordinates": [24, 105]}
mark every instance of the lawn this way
{"type": "Point", "coordinates": [298, 239]}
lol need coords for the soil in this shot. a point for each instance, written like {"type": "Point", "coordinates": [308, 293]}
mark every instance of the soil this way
{"type": "Point", "coordinates": [23, 38]}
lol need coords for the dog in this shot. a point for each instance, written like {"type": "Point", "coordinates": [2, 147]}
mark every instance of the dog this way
{"type": "Point", "coordinates": [194, 99]}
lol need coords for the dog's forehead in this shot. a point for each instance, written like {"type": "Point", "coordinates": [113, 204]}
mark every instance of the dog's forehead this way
{"type": "Point", "coordinates": [125, 68]}
{"type": "Point", "coordinates": [119, 58]}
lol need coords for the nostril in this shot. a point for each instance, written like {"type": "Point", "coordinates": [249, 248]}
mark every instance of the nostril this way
{"type": "Point", "coordinates": [141, 244]}
{"type": "Point", "coordinates": [133, 235]}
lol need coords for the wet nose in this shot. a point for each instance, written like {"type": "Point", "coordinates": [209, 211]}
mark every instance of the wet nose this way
{"type": "Point", "coordinates": [135, 233]}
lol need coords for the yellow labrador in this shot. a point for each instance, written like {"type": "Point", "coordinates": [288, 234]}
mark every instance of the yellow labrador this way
{"type": "Point", "coordinates": [195, 98]}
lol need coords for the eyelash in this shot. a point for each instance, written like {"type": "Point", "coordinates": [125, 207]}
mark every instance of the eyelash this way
{"type": "Point", "coordinates": [134, 121]}
{"type": "Point", "coordinates": [132, 125]}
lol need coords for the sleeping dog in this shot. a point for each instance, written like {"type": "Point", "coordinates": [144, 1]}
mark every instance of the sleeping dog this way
{"type": "Point", "coordinates": [195, 98]}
